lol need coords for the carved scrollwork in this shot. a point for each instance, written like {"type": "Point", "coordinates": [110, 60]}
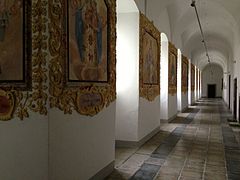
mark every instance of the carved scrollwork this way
{"type": "Point", "coordinates": [34, 98]}
{"type": "Point", "coordinates": [87, 98]}
{"type": "Point", "coordinates": [7, 104]}
{"type": "Point", "coordinates": [149, 64]}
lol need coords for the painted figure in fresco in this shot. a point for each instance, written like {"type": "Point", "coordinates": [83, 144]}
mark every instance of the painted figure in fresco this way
{"type": "Point", "coordinates": [11, 38]}
{"type": "Point", "coordinates": [184, 74]}
{"type": "Point", "coordinates": [173, 70]}
{"type": "Point", "coordinates": [89, 26]}
{"type": "Point", "coordinates": [78, 8]}
{"type": "Point", "coordinates": [149, 60]}
{"type": "Point", "coordinates": [6, 11]}
{"type": "Point", "coordinates": [193, 77]}
{"type": "Point", "coordinates": [4, 18]}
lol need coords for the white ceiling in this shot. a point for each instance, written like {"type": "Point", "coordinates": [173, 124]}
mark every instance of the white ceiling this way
{"type": "Point", "coordinates": [220, 20]}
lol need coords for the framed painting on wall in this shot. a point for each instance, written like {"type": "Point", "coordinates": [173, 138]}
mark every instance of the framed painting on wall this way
{"type": "Point", "coordinates": [83, 63]}
{"type": "Point", "coordinates": [172, 69]}
{"type": "Point", "coordinates": [184, 74]}
{"type": "Point", "coordinates": [15, 44]}
{"type": "Point", "coordinates": [23, 57]}
{"type": "Point", "coordinates": [149, 59]}
{"type": "Point", "coordinates": [87, 43]}
{"type": "Point", "coordinates": [192, 77]}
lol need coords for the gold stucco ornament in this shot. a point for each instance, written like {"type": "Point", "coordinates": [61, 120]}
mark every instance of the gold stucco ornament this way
{"type": "Point", "coordinates": [149, 62]}
{"type": "Point", "coordinates": [7, 104]}
{"type": "Point", "coordinates": [81, 77]}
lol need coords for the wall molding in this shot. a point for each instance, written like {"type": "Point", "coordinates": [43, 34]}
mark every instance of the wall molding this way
{"type": "Point", "coordinates": [119, 143]}
{"type": "Point", "coordinates": [103, 173]}
{"type": "Point", "coordinates": [168, 120]}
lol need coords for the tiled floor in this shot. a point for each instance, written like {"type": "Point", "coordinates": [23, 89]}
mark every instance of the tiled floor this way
{"type": "Point", "coordinates": [198, 144]}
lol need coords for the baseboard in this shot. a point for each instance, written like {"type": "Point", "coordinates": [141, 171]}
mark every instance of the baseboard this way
{"type": "Point", "coordinates": [119, 143]}
{"type": "Point", "coordinates": [184, 109]}
{"type": "Point", "coordinates": [218, 97]}
{"type": "Point", "coordinates": [103, 173]}
{"type": "Point", "coordinates": [235, 124]}
{"type": "Point", "coordinates": [168, 120]}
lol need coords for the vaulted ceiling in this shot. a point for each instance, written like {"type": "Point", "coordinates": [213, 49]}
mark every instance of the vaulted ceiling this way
{"type": "Point", "coordinates": [220, 20]}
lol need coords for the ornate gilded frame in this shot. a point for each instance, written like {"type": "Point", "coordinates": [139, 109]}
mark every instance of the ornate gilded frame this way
{"type": "Point", "coordinates": [192, 77]}
{"type": "Point", "coordinates": [86, 98]}
{"type": "Point", "coordinates": [7, 104]}
{"type": "Point", "coordinates": [172, 52]}
{"type": "Point", "coordinates": [148, 91]}
{"type": "Point", "coordinates": [185, 81]}
{"type": "Point", "coordinates": [34, 99]}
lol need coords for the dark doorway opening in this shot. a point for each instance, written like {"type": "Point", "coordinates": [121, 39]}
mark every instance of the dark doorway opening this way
{"type": "Point", "coordinates": [211, 90]}
{"type": "Point", "coordinates": [235, 99]}
{"type": "Point", "coordinates": [229, 91]}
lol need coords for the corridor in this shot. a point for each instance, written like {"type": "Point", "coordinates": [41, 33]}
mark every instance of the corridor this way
{"type": "Point", "coordinates": [198, 144]}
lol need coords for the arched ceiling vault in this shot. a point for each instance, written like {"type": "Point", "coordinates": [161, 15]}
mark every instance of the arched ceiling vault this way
{"type": "Point", "coordinates": [221, 25]}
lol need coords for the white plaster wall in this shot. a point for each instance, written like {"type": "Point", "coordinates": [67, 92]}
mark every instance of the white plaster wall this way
{"type": "Point", "coordinates": [195, 92]}
{"type": "Point", "coordinates": [140, 4]}
{"type": "Point", "coordinates": [163, 79]}
{"type": "Point", "coordinates": [232, 87]}
{"type": "Point", "coordinates": [135, 118]}
{"type": "Point", "coordinates": [172, 106]}
{"type": "Point", "coordinates": [127, 104]}
{"type": "Point", "coordinates": [216, 78]}
{"type": "Point", "coordinates": [182, 98]}
{"type": "Point", "coordinates": [197, 85]}
{"type": "Point", "coordinates": [238, 83]}
{"type": "Point", "coordinates": [237, 73]}
{"type": "Point", "coordinates": [24, 148]}
{"type": "Point", "coordinates": [80, 146]}
{"type": "Point", "coordinates": [159, 18]}
{"type": "Point", "coordinates": [184, 101]}
{"type": "Point", "coordinates": [149, 116]}
{"type": "Point", "coordinates": [192, 97]}
{"type": "Point", "coordinates": [199, 88]}
{"type": "Point", "coordinates": [230, 91]}
{"type": "Point", "coordinates": [225, 88]}
{"type": "Point", "coordinates": [179, 80]}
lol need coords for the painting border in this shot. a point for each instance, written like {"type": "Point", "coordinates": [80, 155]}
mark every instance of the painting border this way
{"type": "Point", "coordinates": [192, 80]}
{"type": "Point", "coordinates": [26, 82]}
{"type": "Point", "coordinates": [148, 91]}
{"type": "Point", "coordinates": [185, 85]}
{"type": "Point", "coordinates": [68, 98]}
{"type": "Point", "coordinates": [75, 83]}
{"type": "Point", "coordinates": [7, 100]}
{"type": "Point", "coordinates": [172, 89]}
{"type": "Point", "coordinates": [35, 98]}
